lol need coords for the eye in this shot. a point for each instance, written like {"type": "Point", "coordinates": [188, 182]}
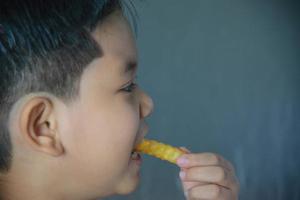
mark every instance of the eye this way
{"type": "Point", "coordinates": [131, 87]}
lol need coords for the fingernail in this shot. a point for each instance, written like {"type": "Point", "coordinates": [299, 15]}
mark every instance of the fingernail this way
{"type": "Point", "coordinates": [182, 161]}
{"type": "Point", "coordinates": [182, 174]}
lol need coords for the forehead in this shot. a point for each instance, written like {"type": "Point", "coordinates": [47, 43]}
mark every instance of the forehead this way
{"type": "Point", "coordinates": [116, 39]}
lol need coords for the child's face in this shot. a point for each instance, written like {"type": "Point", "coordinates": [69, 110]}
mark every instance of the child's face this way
{"type": "Point", "coordinates": [101, 128]}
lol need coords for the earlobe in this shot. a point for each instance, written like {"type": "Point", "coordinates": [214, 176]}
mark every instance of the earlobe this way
{"type": "Point", "coordinates": [38, 126]}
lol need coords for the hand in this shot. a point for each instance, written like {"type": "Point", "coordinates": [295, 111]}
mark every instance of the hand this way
{"type": "Point", "coordinates": [207, 176]}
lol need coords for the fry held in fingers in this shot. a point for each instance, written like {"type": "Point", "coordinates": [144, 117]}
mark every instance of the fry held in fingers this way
{"type": "Point", "coordinates": [159, 150]}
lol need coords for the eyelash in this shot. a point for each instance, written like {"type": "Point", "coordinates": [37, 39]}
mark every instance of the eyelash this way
{"type": "Point", "coordinates": [131, 87]}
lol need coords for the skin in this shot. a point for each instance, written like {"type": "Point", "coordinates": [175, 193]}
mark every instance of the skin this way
{"type": "Point", "coordinates": [81, 150]}
{"type": "Point", "coordinates": [207, 176]}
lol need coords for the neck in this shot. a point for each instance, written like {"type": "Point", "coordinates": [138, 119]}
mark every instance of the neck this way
{"type": "Point", "coordinates": [17, 186]}
{"type": "Point", "coordinates": [22, 183]}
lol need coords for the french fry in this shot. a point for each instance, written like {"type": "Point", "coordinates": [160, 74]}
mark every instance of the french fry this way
{"type": "Point", "coordinates": [159, 150]}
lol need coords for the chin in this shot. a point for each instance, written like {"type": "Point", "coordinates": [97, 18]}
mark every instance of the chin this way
{"type": "Point", "coordinates": [127, 187]}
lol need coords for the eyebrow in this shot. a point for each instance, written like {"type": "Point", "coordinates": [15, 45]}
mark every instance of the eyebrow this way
{"type": "Point", "coordinates": [131, 67]}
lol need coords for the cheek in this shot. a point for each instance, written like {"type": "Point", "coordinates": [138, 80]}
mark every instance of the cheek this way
{"type": "Point", "coordinates": [99, 142]}
{"type": "Point", "coordinates": [104, 135]}
{"type": "Point", "coordinates": [121, 128]}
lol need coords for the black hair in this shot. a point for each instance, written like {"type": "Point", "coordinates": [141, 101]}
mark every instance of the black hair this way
{"type": "Point", "coordinates": [44, 47]}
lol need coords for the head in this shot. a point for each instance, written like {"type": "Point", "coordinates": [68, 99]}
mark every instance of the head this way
{"type": "Point", "coordinates": [71, 112]}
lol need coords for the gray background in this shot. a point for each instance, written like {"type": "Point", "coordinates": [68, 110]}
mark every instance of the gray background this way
{"type": "Point", "coordinates": [225, 78]}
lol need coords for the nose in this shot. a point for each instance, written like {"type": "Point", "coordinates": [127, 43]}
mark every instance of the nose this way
{"type": "Point", "coordinates": [146, 105]}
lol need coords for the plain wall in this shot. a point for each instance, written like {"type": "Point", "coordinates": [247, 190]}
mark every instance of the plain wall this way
{"type": "Point", "coordinates": [225, 78]}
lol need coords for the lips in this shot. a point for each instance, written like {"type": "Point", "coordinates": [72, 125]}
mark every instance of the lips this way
{"type": "Point", "coordinates": [136, 144]}
{"type": "Point", "coordinates": [141, 135]}
{"type": "Point", "coordinates": [135, 156]}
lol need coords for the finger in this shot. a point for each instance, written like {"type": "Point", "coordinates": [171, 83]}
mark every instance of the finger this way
{"type": "Point", "coordinates": [209, 191]}
{"type": "Point", "coordinates": [202, 159]}
{"type": "Point", "coordinates": [212, 174]}
{"type": "Point", "coordinates": [208, 174]}
{"type": "Point", "coordinates": [186, 185]}
{"type": "Point", "coordinates": [227, 164]}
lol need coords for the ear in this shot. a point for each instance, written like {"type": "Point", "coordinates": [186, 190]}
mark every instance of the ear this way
{"type": "Point", "coordinates": [38, 126]}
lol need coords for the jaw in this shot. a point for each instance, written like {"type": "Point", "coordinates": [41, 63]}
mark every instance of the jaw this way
{"type": "Point", "coordinates": [129, 183]}
{"type": "Point", "coordinates": [130, 179]}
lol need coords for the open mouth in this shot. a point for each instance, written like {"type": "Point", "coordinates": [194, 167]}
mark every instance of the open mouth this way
{"type": "Point", "coordinates": [135, 155]}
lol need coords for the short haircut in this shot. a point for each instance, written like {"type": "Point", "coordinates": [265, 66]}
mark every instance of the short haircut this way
{"type": "Point", "coordinates": [44, 47]}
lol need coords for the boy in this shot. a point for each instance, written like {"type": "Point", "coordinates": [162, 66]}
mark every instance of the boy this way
{"type": "Point", "coordinates": [71, 112]}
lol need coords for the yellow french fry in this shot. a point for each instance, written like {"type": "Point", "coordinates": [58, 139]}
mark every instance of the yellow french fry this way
{"type": "Point", "coordinates": [159, 150]}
